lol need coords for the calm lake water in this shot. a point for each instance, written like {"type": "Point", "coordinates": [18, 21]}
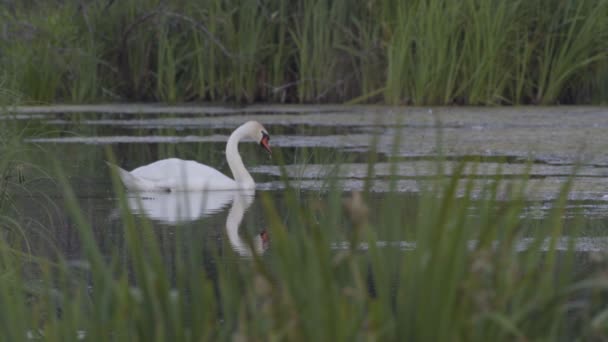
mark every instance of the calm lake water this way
{"type": "Point", "coordinates": [311, 141]}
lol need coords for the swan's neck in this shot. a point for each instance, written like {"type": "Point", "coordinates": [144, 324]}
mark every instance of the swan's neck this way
{"type": "Point", "coordinates": [239, 172]}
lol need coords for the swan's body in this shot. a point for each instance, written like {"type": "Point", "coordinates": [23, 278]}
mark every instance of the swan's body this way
{"type": "Point", "coordinates": [179, 175]}
{"type": "Point", "coordinates": [187, 175]}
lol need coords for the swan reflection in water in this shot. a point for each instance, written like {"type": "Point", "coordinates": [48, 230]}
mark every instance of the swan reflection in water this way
{"type": "Point", "coordinates": [173, 208]}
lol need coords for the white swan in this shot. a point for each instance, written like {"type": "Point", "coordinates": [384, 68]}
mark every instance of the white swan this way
{"type": "Point", "coordinates": [187, 175]}
{"type": "Point", "coordinates": [176, 208]}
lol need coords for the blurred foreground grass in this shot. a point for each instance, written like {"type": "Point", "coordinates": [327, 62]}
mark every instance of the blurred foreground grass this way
{"type": "Point", "coordinates": [454, 271]}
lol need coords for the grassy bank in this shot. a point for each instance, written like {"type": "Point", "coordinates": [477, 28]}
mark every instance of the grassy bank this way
{"type": "Point", "coordinates": [414, 52]}
{"type": "Point", "coordinates": [462, 275]}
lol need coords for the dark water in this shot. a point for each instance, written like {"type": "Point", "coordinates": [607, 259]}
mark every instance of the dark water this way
{"type": "Point", "coordinates": [229, 224]}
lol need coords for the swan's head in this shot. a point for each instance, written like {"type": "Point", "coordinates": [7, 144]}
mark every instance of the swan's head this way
{"type": "Point", "coordinates": [258, 133]}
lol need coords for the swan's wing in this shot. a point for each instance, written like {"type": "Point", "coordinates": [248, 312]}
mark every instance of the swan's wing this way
{"type": "Point", "coordinates": [173, 167]}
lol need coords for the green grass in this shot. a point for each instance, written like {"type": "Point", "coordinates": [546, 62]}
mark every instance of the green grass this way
{"type": "Point", "coordinates": [446, 288]}
{"type": "Point", "coordinates": [416, 52]}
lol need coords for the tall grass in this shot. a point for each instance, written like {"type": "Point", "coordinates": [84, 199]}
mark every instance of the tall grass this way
{"type": "Point", "coordinates": [415, 52]}
{"type": "Point", "coordinates": [573, 42]}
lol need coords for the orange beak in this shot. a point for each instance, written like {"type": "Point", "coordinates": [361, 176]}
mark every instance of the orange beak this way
{"type": "Point", "coordinates": [264, 143]}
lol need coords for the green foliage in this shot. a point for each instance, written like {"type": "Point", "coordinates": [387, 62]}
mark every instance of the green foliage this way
{"type": "Point", "coordinates": [413, 52]}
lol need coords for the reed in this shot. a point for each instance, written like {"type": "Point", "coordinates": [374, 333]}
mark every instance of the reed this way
{"type": "Point", "coordinates": [485, 49]}
{"type": "Point", "coordinates": [568, 46]}
{"type": "Point", "coordinates": [419, 52]}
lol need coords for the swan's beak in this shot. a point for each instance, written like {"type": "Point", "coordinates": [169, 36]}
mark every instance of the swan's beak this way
{"type": "Point", "coordinates": [264, 143]}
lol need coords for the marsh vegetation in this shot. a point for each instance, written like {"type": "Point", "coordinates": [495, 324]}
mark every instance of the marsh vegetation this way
{"type": "Point", "coordinates": [311, 51]}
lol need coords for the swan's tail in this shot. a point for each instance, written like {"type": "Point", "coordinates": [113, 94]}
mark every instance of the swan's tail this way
{"type": "Point", "coordinates": [132, 182]}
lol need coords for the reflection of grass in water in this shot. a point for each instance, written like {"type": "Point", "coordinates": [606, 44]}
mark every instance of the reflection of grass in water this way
{"type": "Point", "coordinates": [420, 52]}
{"type": "Point", "coordinates": [443, 289]}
